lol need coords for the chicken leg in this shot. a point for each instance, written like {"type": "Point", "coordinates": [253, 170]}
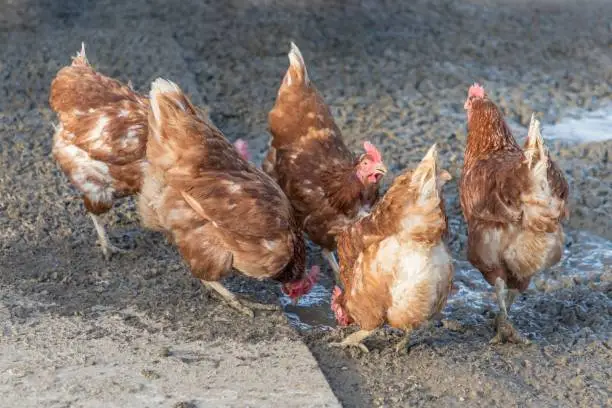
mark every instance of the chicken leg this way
{"type": "Point", "coordinates": [506, 333]}
{"type": "Point", "coordinates": [511, 297]}
{"type": "Point", "coordinates": [329, 255]}
{"type": "Point", "coordinates": [355, 340]}
{"type": "Point", "coordinates": [108, 249]}
{"type": "Point", "coordinates": [242, 305]}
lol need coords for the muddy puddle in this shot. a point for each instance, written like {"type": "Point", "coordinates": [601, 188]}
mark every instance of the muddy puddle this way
{"type": "Point", "coordinates": [582, 126]}
{"type": "Point", "coordinates": [587, 260]}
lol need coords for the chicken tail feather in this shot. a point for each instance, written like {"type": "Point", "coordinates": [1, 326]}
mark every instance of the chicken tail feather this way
{"type": "Point", "coordinates": [167, 103]}
{"type": "Point", "coordinates": [537, 157]}
{"type": "Point", "coordinates": [541, 208]}
{"type": "Point", "coordinates": [297, 73]}
{"type": "Point", "coordinates": [422, 216]}
{"type": "Point", "coordinates": [170, 118]}
{"type": "Point", "coordinates": [428, 178]}
{"type": "Point", "coordinates": [534, 145]}
{"type": "Point", "coordinates": [80, 59]}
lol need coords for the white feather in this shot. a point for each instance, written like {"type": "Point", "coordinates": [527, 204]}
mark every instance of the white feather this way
{"type": "Point", "coordinates": [296, 60]}
{"type": "Point", "coordinates": [158, 87]}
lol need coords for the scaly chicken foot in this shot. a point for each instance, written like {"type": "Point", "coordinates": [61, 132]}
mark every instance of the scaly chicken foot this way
{"type": "Point", "coordinates": [506, 332]}
{"type": "Point", "coordinates": [108, 249]}
{"type": "Point", "coordinates": [242, 305]}
{"type": "Point", "coordinates": [355, 340]}
{"type": "Point", "coordinates": [331, 259]}
{"type": "Point", "coordinates": [402, 346]}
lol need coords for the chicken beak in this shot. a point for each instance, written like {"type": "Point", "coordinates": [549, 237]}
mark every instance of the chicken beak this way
{"type": "Point", "coordinates": [380, 169]}
{"type": "Point", "coordinates": [295, 301]}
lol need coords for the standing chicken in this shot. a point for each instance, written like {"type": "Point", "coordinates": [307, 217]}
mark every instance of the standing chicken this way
{"type": "Point", "coordinates": [327, 186]}
{"type": "Point", "coordinates": [513, 200]}
{"type": "Point", "coordinates": [220, 210]}
{"type": "Point", "coordinates": [394, 264]}
{"type": "Point", "coordinates": [101, 138]}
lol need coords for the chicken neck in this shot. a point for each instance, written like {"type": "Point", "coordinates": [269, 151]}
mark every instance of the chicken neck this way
{"type": "Point", "coordinates": [487, 133]}
{"type": "Point", "coordinates": [344, 189]}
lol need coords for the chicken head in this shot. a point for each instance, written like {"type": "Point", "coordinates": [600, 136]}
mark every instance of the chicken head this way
{"type": "Point", "coordinates": [295, 290]}
{"type": "Point", "coordinates": [370, 168]}
{"type": "Point", "coordinates": [342, 317]}
{"type": "Point", "coordinates": [476, 91]}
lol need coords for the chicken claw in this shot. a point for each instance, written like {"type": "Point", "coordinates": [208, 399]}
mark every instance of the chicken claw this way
{"type": "Point", "coordinates": [506, 333]}
{"type": "Point", "coordinates": [242, 305]}
{"type": "Point", "coordinates": [108, 249]}
{"type": "Point", "coordinates": [402, 346]}
{"type": "Point", "coordinates": [354, 340]}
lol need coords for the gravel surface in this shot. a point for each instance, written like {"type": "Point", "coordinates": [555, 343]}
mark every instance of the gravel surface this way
{"type": "Point", "coordinates": [395, 73]}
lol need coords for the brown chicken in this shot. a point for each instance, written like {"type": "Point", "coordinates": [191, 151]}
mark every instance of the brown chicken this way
{"type": "Point", "coordinates": [394, 264]}
{"type": "Point", "coordinates": [328, 187]}
{"type": "Point", "coordinates": [513, 200]}
{"type": "Point", "coordinates": [100, 140]}
{"type": "Point", "coordinates": [101, 137]}
{"type": "Point", "coordinates": [220, 210]}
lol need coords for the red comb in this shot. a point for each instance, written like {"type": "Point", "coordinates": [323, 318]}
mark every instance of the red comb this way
{"type": "Point", "coordinates": [476, 90]}
{"type": "Point", "coordinates": [372, 152]}
{"type": "Point", "coordinates": [243, 149]}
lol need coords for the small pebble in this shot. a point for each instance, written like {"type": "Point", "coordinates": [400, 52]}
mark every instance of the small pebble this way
{"type": "Point", "coordinates": [150, 374]}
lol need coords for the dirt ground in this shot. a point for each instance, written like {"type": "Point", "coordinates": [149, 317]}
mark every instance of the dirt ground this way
{"type": "Point", "coordinates": [395, 73]}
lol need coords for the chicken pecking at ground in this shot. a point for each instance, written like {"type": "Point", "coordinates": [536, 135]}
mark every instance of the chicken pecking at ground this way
{"type": "Point", "coordinates": [218, 209]}
{"type": "Point", "coordinates": [101, 138]}
{"type": "Point", "coordinates": [328, 187]}
{"type": "Point", "coordinates": [513, 200]}
{"type": "Point", "coordinates": [394, 263]}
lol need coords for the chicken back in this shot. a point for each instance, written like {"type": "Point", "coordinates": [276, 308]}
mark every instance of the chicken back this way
{"type": "Point", "coordinates": [220, 210]}
{"type": "Point", "coordinates": [395, 266]}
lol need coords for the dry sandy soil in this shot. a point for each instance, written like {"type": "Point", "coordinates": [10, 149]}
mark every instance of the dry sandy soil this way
{"type": "Point", "coordinates": [139, 331]}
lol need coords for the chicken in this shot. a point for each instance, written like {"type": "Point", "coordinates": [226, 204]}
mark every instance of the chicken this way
{"type": "Point", "coordinates": [100, 141]}
{"type": "Point", "coordinates": [394, 264]}
{"type": "Point", "coordinates": [218, 209]}
{"type": "Point", "coordinates": [101, 137]}
{"type": "Point", "coordinates": [327, 186]}
{"type": "Point", "coordinates": [513, 200]}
